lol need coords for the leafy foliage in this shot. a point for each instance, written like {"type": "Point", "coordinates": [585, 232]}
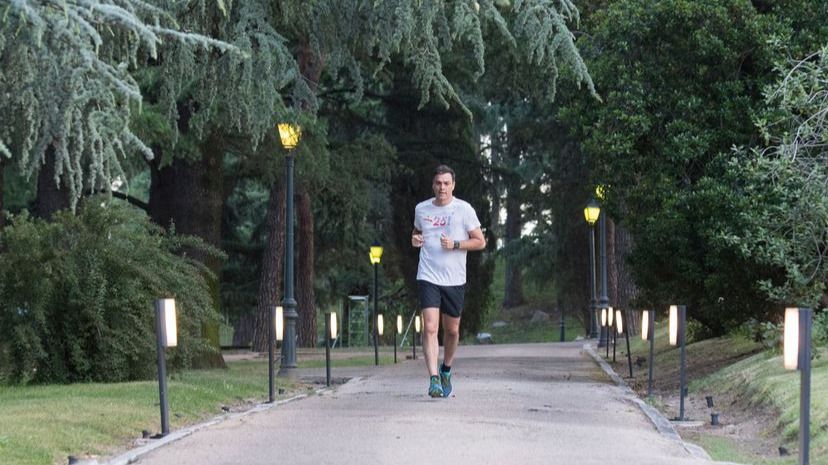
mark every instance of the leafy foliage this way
{"type": "Point", "coordinates": [77, 296]}
{"type": "Point", "coordinates": [66, 77]}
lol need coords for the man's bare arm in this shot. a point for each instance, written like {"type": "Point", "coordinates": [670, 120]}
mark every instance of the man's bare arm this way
{"type": "Point", "coordinates": [476, 241]}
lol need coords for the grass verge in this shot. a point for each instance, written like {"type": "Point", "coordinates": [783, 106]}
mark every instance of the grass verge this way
{"type": "Point", "coordinates": [44, 424]}
{"type": "Point", "coordinates": [757, 400]}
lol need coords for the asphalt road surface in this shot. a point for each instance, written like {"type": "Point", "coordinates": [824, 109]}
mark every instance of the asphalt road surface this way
{"type": "Point", "coordinates": [512, 404]}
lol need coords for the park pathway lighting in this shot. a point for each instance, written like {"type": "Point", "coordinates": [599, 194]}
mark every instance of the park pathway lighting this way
{"type": "Point", "coordinates": [375, 255]}
{"type": "Point", "coordinates": [289, 134]}
{"type": "Point", "coordinates": [603, 302]}
{"type": "Point", "coordinates": [277, 326]}
{"type": "Point", "coordinates": [414, 338]}
{"type": "Point", "coordinates": [619, 321]}
{"type": "Point", "coordinates": [330, 333]}
{"type": "Point", "coordinates": [591, 213]}
{"type": "Point", "coordinates": [647, 333]}
{"type": "Point", "coordinates": [605, 328]}
{"type": "Point", "coordinates": [797, 356]}
{"type": "Point", "coordinates": [166, 336]}
{"type": "Point", "coordinates": [678, 317]}
{"type": "Point", "coordinates": [610, 327]}
{"type": "Point", "coordinates": [398, 331]}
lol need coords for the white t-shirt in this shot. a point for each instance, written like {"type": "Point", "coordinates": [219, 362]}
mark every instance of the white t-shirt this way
{"type": "Point", "coordinates": [444, 267]}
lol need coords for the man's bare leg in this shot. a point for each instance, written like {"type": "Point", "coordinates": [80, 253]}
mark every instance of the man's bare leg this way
{"type": "Point", "coordinates": [451, 337]}
{"type": "Point", "coordinates": [431, 347]}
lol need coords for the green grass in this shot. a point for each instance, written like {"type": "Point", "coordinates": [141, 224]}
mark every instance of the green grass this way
{"type": "Point", "coordinates": [724, 449]}
{"type": "Point", "coordinates": [42, 425]}
{"type": "Point", "coordinates": [517, 331]}
{"type": "Point", "coordinates": [727, 365]}
{"type": "Point", "coordinates": [763, 381]}
{"type": "Point", "coordinates": [357, 360]}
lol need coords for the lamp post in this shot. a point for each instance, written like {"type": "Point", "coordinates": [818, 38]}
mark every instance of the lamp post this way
{"type": "Point", "coordinates": [289, 135]}
{"type": "Point", "coordinates": [611, 330]}
{"type": "Point", "coordinates": [647, 331]}
{"type": "Point", "coordinates": [797, 356]}
{"type": "Point", "coordinates": [376, 255]}
{"type": "Point", "coordinates": [619, 318]}
{"type": "Point", "coordinates": [398, 331]}
{"type": "Point", "coordinates": [604, 328]}
{"type": "Point", "coordinates": [602, 231]}
{"type": "Point", "coordinates": [591, 212]}
{"type": "Point", "coordinates": [166, 336]}
{"type": "Point", "coordinates": [330, 333]}
{"type": "Point", "coordinates": [414, 337]}
{"type": "Point", "coordinates": [678, 316]}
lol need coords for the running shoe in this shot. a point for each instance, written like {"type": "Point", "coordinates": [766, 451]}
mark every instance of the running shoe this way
{"type": "Point", "coordinates": [435, 389]}
{"type": "Point", "coordinates": [445, 383]}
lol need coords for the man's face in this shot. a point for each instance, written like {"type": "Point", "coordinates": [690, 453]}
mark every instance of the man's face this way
{"type": "Point", "coordinates": [443, 186]}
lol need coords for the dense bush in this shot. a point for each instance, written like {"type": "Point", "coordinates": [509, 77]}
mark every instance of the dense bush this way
{"type": "Point", "coordinates": [77, 294]}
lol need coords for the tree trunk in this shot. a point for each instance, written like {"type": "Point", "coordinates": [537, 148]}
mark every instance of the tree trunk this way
{"type": "Point", "coordinates": [188, 196]}
{"type": "Point", "coordinates": [310, 66]}
{"type": "Point", "coordinates": [51, 197]}
{"type": "Point", "coordinates": [273, 272]}
{"type": "Point", "coordinates": [514, 223]}
{"type": "Point", "coordinates": [305, 296]}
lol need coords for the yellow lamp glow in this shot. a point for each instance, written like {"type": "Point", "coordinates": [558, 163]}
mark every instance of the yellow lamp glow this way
{"type": "Point", "coordinates": [600, 190]}
{"type": "Point", "coordinates": [399, 324]}
{"type": "Point", "coordinates": [645, 325]}
{"type": "Point", "coordinates": [603, 317]}
{"type": "Point", "coordinates": [170, 327]}
{"type": "Point", "coordinates": [619, 323]}
{"type": "Point", "coordinates": [290, 135]}
{"type": "Point", "coordinates": [610, 316]}
{"type": "Point", "coordinates": [673, 325]}
{"type": "Point", "coordinates": [417, 323]}
{"type": "Point", "coordinates": [791, 339]}
{"type": "Point", "coordinates": [380, 324]}
{"type": "Point", "coordinates": [592, 211]}
{"type": "Point", "coordinates": [334, 328]}
{"type": "Point", "coordinates": [375, 254]}
{"type": "Point", "coordinates": [280, 323]}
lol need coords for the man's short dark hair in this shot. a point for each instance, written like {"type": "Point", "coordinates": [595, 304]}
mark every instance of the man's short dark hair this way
{"type": "Point", "coordinates": [443, 169]}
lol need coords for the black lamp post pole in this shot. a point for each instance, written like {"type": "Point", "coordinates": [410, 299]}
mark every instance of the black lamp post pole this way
{"type": "Point", "coordinates": [804, 364]}
{"type": "Point", "coordinates": [289, 303]}
{"type": "Point", "coordinates": [327, 349]}
{"type": "Point", "coordinates": [651, 338]}
{"type": "Point", "coordinates": [271, 388]}
{"type": "Point", "coordinates": [682, 315]}
{"type": "Point", "coordinates": [627, 337]}
{"type": "Point", "coordinates": [593, 293]}
{"type": "Point", "coordinates": [376, 298]}
{"type": "Point", "coordinates": [604, 300]}
{"type": "Point", "coordinates": [161, 342]}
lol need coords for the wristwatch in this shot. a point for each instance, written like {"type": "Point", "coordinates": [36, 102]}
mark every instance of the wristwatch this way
{"type": "Point", "coordinates": [457, 245]}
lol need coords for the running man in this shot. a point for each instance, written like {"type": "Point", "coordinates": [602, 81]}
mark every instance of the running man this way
{"type": "Point", "coordinates": [445, 228]}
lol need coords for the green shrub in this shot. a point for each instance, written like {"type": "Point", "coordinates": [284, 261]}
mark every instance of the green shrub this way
{"type": "Point", "coordinates": [77, 296]}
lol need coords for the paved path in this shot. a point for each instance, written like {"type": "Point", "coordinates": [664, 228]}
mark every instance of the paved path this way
{"type": "Point", "coordinates": [513, 404]}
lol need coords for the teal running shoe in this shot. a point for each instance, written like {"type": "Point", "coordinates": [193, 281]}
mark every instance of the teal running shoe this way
{"type": "Point", "coordinates": [435, 389]}
{"type": "Point", "coordinates": [445, 382]}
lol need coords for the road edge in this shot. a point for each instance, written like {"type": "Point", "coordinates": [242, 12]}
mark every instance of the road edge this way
{"type": "Point", "coordinates": [662, 424]}
{"type": "Point", "coordinates": [135, 454]}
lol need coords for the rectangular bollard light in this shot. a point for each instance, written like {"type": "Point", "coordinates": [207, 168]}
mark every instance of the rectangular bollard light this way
{"type": "Point", "coordinates": [166, 336]}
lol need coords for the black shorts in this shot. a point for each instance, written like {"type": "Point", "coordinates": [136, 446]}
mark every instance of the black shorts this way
{"type": "Point", "coordinates": [449, 299]}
